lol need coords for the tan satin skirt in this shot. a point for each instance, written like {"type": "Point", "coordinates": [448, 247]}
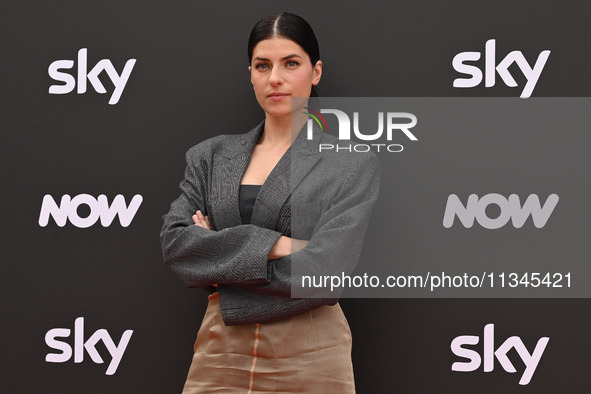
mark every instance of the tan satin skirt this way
{"type": "Point", "coordinates": [307, 353]}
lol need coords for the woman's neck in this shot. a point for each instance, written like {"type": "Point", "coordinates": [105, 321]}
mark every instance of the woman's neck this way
{"type": "Point", "coordinates": [278, 131]}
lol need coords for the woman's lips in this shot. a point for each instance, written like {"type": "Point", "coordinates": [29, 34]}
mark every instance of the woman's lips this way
{"type": "Point", "coordinates": [278, 96]}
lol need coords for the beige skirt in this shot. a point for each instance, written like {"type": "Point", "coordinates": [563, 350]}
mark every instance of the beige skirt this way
{"type": "Point", "coordinates": [307, 353]}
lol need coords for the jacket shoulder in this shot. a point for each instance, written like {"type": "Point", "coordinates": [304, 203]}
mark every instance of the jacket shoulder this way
{"type": "Point", "coordinates": [211, 145]}
{"type": "Point", "coordinates": [228, 145]}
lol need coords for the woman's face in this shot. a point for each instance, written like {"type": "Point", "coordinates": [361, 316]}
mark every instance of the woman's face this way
{"type": "Point", "coordinates": [281, 69]}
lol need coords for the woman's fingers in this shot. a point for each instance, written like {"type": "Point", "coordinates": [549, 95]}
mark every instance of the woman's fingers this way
{"type": "Point", "coordinates": [201, 220]}
{"type": "Point", "coordinates": [298, 244]}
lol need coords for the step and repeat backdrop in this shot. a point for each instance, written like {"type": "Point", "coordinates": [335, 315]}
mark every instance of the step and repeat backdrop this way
{"type": "Point", "coordinates": [473, 276]}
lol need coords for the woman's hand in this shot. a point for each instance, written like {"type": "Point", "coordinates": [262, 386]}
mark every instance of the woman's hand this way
{"type": "Point", "coordinates": [285, 246]}
{"type": "Point", "coordinates": [201, 220]}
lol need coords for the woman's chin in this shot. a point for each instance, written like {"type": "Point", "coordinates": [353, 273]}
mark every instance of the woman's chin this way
{"type": "Point", "coordinates": [286, 108]}
{"type": "Point", "coordinates": [279, 112]}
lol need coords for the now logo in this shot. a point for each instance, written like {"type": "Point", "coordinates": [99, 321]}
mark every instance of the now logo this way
{"type": "Point", "coordinates": [99, 209]}
{"type": "Point", "coordinates": [511, 209]}
{"type": "Point", "coordinates": [531, 361]}
{"type": "Point", "coordinates": [116, 351]}
{"type": "Point", "coordinates": [82, 75]}
{"type": "Point", "coordinates": [491, 68]}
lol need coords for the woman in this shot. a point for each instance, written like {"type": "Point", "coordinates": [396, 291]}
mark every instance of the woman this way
{"type": "Point", "coordinates": [255, 207]}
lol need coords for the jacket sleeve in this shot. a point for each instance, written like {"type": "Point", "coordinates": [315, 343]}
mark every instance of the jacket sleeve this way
{"type": "Point", "coordinates": [201, 257]}
{"type": "Point", "coordinates": [334, 249]}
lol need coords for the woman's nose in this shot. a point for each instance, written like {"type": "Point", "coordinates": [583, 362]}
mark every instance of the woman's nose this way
{"type": "Point", "coordinates": [276, 77]}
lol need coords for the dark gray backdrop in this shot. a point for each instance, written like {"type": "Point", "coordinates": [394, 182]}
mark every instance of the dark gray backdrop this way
{"type": "Point", "coordinates": [190, 82]}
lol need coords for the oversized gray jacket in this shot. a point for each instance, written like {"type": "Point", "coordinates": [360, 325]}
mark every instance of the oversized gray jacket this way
{"type": "Point", "coordinates": [325, 197]}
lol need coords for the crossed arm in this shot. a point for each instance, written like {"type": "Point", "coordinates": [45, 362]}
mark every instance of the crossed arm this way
{"type": "Point", "coordinates": [252, 265]}
{"type": "Point", "coordinates": [283, 246]}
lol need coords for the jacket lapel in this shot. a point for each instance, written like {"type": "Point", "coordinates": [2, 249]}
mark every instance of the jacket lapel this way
{"type": "Point", "coordinates": [231, 163]}
{"type": "Point", "coordinates": [291, 169]}
{"type": "Point", "coordinates": [228, 168]}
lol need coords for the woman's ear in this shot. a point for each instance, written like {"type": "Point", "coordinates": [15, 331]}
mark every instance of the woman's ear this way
{"type": "Point", "coordinates": [317, 73]}
{"type": "Point", "coordinates": [250, 72]}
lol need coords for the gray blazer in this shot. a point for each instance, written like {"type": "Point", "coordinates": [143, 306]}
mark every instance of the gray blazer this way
{"type": "Point", "coordinates": [325, 197]}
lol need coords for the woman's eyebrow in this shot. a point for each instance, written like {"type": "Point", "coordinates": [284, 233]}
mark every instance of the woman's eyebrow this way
{"type": "Point", "coordinates": [290, 56]}
{"type": "Point", "coordinates": [264, 59]}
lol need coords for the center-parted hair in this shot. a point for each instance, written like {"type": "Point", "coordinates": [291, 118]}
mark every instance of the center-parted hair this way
{"type": "Point", "coordinates": [290, 26]}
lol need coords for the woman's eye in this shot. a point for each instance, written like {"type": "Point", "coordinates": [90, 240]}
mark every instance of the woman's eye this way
{"type": "Point", "coordinates": [262, 66]}
{"type": "Point", "coordinates": [292, 64]}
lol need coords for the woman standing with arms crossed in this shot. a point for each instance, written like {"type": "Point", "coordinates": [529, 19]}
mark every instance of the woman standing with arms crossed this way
{"type": "Point", "coordinates": [231, 231]}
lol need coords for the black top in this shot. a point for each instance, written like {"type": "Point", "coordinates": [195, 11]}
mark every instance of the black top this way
{"type": "Point", "coordinates": [247, 196]}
